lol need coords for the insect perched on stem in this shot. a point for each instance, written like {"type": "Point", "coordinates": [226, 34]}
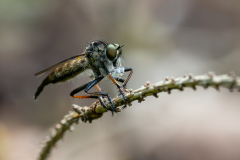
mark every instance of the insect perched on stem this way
{"type": "Point", "coordinates": [103, 59]}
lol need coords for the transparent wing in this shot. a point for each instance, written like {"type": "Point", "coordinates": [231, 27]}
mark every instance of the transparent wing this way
{"type": "Point", "coordinates": [59, 64]}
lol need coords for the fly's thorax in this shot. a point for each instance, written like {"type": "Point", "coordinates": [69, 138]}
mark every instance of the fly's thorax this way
{"type": "Point", "coordinates": [98, 46]}
{"type": "Point", "coordinates": [96, 62]}
{"type": "Point", "coordinates": [95, 51]}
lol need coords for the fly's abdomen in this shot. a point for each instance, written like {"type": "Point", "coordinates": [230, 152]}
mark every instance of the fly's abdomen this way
{"type": "Point", "coordinates": [69, 70]}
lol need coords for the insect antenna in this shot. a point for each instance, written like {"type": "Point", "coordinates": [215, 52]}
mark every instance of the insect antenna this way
{"type": "Point", "coordinates": [119, 47]}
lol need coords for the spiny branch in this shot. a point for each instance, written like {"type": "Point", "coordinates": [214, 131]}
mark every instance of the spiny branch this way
{"type": "Point", "coordinates": [96, 110]}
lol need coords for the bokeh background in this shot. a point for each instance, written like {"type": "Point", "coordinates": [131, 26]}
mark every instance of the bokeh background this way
{"type": "Point", "coordinates": [161, 37]}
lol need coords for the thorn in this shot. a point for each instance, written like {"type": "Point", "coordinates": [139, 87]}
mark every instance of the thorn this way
{"type": "Point", "coordinates": [211, 74]}
{"type": "Point", "coordinates": [58, 126]}
{"type": "Point", "coordinates": [131, 91]}
{"type": "Point", "coordinates": [131, 94]}
{"type": "Point", "coordinates": [118, 109]}
{"type": "Point", "coordinates": [155, 95]}
{"type": "Point", "coordinates": [206, 86]}
{"type": "Point", "coordinates": [169, 90]}
{"type": "Point", "coordinates": [190, 76]}
{"type": "Point", "coordinates": [233, 75]}
{"type": "Point", "coordinates": [194, 88]}
{"type": "Point", "coordinates": [172, 80]}
{"type": "Point", "coordinates": [166, 79]}
{"type": "Point", "coordinates": [181, 87]}
{"type": "Point", "coordinates": [84, 108]}
{"type": "Point", "coordinates": [147, 85]}
{"type": "Point", "coordinates": [53, 133]}
{"type": "Point", "coordinates": [231, 87]}
{"type": "Point", "coordinates": [63, 121]}
{"type": "Point", "coordinates": [71, 128]}
{"type": "Point", "coordinates": [141, 98]}
{"type": "Point", "coordinates": [82, 112]}
{"type": "Point", "coordinates": [76, 108]}
{"type": "Point", "coordinates": [217, 87]}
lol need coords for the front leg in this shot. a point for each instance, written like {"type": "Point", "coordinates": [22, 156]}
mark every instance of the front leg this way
{"type": "Point", "coordinates": [121, 89]}
{"type": "Point", "coordinates": [129, 76]}
{"type": "Point", "coordinates": [124, 83]}
{"type": "Point", "coordinates": [127, 79]}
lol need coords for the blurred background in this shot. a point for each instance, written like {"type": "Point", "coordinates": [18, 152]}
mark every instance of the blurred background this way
{"type": "Point", "coordinates": [161, 37]}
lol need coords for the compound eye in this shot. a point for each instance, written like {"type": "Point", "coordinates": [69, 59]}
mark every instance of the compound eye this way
{"type": "Point", "coordinates": [111, 52]}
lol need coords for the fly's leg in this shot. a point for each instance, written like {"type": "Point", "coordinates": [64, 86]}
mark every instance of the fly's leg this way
{"type": "Point", "coordinates": [119, 79]}
{"type": "Point", "coordinates": [124, 83]}
{"type": "Point", "coordinates": [129, 76]}
{"type": "Point", "coordinates": [99, 94]}
{"type": "Point", "coordinates": [101, 98]}
{"type": "Point", "coordinates": [127, 79]}
{"type": "Point", "coordinates": [120, 89]}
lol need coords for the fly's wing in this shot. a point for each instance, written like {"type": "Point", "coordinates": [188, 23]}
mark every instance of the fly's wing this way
{"type": "Point", "coordinates": [59, 64]}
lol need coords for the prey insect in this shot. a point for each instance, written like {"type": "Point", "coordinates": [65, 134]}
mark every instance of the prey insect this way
{"type": "Point", "coordinates": [103, 59]}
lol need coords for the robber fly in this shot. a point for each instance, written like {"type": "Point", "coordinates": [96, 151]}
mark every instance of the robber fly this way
{"type": "Point", "coordinates": [103, 59]}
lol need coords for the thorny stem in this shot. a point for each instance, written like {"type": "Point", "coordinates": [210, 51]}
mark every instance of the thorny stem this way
{"type": "Point", "coordinates": [96, 110]}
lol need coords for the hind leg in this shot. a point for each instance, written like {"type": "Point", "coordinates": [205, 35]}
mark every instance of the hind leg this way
{"type": "Point", "coordinates": [99, 94]}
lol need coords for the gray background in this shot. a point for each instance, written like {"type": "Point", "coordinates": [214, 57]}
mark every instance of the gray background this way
{"type": "Point", "coordinates": [161, 37]}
